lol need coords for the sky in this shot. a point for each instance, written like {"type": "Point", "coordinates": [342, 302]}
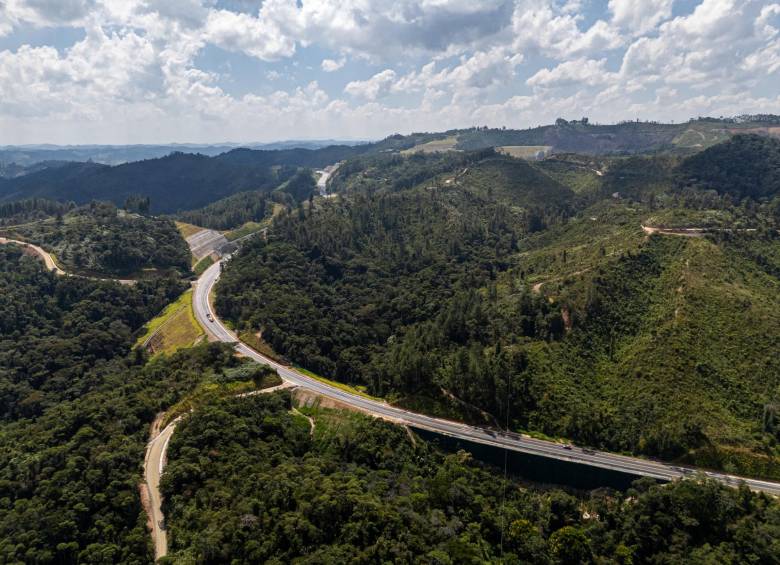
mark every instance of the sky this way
{"type": "Point", "coordinates": [207, 71]}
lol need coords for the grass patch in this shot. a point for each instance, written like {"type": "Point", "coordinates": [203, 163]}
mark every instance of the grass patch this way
{"type": "Point", "coordinates": [186, 230]}
{"type": "Point", "coordinates": [201, 266]}
{"type": "Point", "coordinates": [359, 390]}
{"type": "Point", "coordinates": [435, 146]}
{"type": "Point", "coordinates": [248, 377]}
{"type": "Point", "coordinates": [259, 345]}
{"type": "Point", "coordinates": [247, 229]}
{"type": "Point", "coordinates": [175, 328]}
{"type": "Point", "coordinates": [523, 151]}
{"type": "Point", "coordinates": [331, 423]}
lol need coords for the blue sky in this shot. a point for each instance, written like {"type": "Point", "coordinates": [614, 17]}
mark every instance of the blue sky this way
{"type": "Point", "coordinates": [159, 71]}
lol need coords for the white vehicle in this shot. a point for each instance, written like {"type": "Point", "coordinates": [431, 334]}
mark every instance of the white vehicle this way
{"type": "Point", "coordinates": [210, 317]}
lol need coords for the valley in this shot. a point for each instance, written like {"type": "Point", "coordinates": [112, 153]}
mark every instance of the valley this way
{"type": "Point", "coordinates": [605, 310]}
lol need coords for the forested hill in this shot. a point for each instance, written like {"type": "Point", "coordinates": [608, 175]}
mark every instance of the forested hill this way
{"type": "Point", "coordinates": [470, 283]}
{"type": "Point", "coordinates": [176, 182]}
{"type": "Point", "coordinates": [747, 166]}
{"type": "Point", "coordinates": [75, 408]}
{"type": "Point", "coordinates": [99, 239]}
{"type": "Point", "coordinates": [189, 181]}
{"type": "Point", "coordinates": [249, 482]}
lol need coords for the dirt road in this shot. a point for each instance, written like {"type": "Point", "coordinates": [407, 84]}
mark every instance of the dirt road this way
{"type": "Point", "coordinates": [47, 258]}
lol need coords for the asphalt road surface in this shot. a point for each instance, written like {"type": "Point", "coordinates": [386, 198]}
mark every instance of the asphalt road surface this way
{"type": "Point", "coordinates": [322, 182]}
{"type": "Point", "coordinates": [206, 242]}
{"type": "Point", "coordinates": [515, 442]}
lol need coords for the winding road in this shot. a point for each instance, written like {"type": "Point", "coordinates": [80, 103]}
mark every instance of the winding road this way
{"type": "Point", "coordinates": [45, 256]}
{"type": "Point", "coordinates": [154, 464]}
{"type": "Point", "coordinates": [515, 442]}
{"type": "Point", "coordinates": [153, 468]}
{"type": "Point", "coordinates": [51, 264]}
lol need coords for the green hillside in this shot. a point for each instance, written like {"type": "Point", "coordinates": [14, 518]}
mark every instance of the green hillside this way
{"type": "Point", "coordinates": [747, 166]}
{"type": "Point", "coordinates": [497, 288]}
{"type": "Point", "coordinates": [101, 240]}
{"type": "Point", "coordinates": [251, 481]}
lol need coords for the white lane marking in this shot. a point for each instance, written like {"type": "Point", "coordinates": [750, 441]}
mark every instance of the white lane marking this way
{"type": "Point", "coordinates": [529, 445]}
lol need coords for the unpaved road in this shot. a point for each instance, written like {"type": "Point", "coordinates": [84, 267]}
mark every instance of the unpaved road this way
{"type": "Point", "coordinates": [153, 468]}
{"type": "Point", "coordinates": [154, 464]}
{"type": "Point", "coordinates": [47, 258]}
{"type": "Point", "coordinates": [693, 232]}
{"type": "Point", "coordinates": [52, 266]}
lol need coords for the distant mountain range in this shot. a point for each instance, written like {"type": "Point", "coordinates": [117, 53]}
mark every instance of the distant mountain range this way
{"type": "Point", "coordinates": [179, 181]}
{"type": "Point", "coordinates": [26, 155]}
{"type": "Point", "coordinates": [186, 177]}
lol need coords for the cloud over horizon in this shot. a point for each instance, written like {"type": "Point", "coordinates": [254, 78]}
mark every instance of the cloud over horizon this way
{"type": "Point", "coordinates": [154, 71]}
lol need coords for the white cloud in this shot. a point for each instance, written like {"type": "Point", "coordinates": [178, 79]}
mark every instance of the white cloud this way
{"type": "Point", "coordinates": [541, 25]}
{"type": "Point", "coordinates": [331, 65]}
{"type": "Point", "coordinates": [375, 87]}
{"type": "Point", "coordinates": [640, 16]}
{"type": "Point", "coordinates": [45, 12]}
{"type": "Point", "coordinates": [473, 76]}
{"type": "Point", "coordinates": [584, 72]}
{"type": "Point", "coordinates": [705, 48]}
{"type": "Point", "coordinates": [94, 73]}
{"type": "Point", "coordinates": [257, 37]}
{"type": "Point", "coordinates": [442, 63]}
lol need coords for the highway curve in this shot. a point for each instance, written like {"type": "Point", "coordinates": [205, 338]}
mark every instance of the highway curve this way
{"type": "Point", "coordinates": [512, 441]}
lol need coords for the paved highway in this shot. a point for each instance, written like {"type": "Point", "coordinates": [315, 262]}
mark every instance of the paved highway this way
{"type": "Point", "coordinates": [322, 182]}
{"type": "Point", "coordinates": [515, 442]}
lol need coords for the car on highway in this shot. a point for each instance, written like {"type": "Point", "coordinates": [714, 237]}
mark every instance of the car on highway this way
{"type": "Point", "coordinates": [567, 446]}
{"type": "Point", "coordinates": [210, 317]}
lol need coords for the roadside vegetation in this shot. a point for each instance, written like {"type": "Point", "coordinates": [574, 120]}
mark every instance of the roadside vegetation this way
{"type": "Point", "coordinates": [530, 293]}
{"type": "Point", "coordinates": [102, 240]}
{"type": "Point", "coordinates": [233, 382]}
{"type": "Point", "coordinates": [360, 490]}
{"type": "Point", "coordinates": [201, 266]}
{"type": "Point", "coordinates": [175, 327]}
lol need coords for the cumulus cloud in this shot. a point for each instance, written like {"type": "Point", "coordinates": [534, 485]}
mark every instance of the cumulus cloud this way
{"type": "Point", "coordinates": [640, 16]}
{"type": "Point", "coordinates": [375, 87]}
{"type": "Point", "coordinates": [257, 37]}
{"type": "Point", "coordinates": [434, 64]}
{"type": "Point", "coordinates": [706, 47]}
{"type": "Point", "coordinates": [331, 65]}
{"type": "Point", "coordinates": [94, 72]}
{"type": "Point", "coordinates": [555, 32]}
{"type": "Point", "coordinates": [583, 72]}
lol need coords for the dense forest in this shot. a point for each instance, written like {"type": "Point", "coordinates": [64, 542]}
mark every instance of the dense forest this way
{"type": "Point", "coordinates": [249, 483]}
{"type": "Point", "coordinates": [231, 212]}
{"type": "Point", "coordinates": [532, 294]}
{"type": "Point", "coordinates": [76, 405]}
{"type": "Point", "coordinates": [103, 240]}
{"type": "Point", "coordinates": [31, 210]}
{"type": "Point", "coordinates": [465, 284]}
{"type": "Point", "coordinates": [747, 166]}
